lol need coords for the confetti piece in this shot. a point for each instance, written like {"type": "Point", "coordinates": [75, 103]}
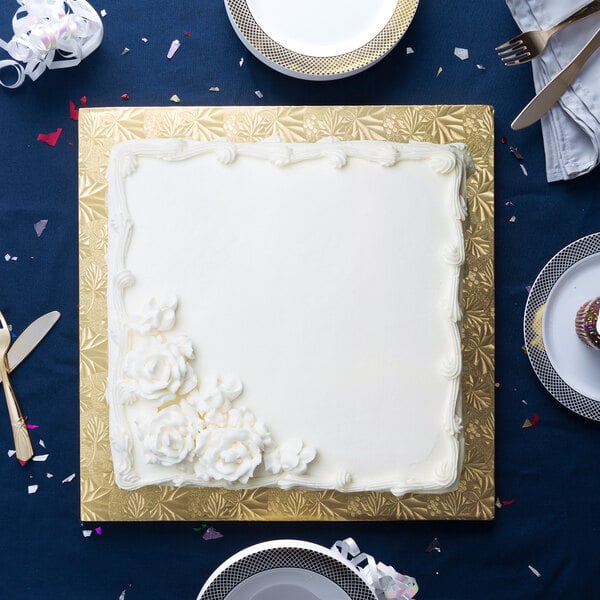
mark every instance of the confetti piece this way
{"type": "Point", "coordinates": [42, 443]}
{"type": "Point", "coordinates": [199, 528]}
{"type": "Point", "coordinates": [409, 50]}
{"type": "Point", "coordinates": [83, 100]}
{"type": "Point", "coordinates": [515, 152]}
{"type": "Point", "coordinates": [50, 138]}
{"type": "Point", "coordinates": [32, 426]}
{"type": "Point", "coordinates": [508, 502]}
{"type": "Point", "coordinates": [512, 219]}
{"type": "Point", "coordinates": [32, 489]}
{"type": "Point", "coordinates": [125, 50]}
{"type": "Point", "coordinates": [523, 169]}
{"type": "Point", "coordinates": [241, 61]}
{"type": "Point", "coordinates": [11, 453]}
{"type": "Point", "coordinates": [49, 475]}
{"type": "Point", "coordinates": [498, 503]}
{"type": "Point", "coordinates": [187, 34]}
{"type": "Point", "coordinates": [503, 140]}
{"type": "Point", "coordinates": [7, 257]}
{"type": "Point", "coordinates": [534, 420]}
{"type": "Point", "coordinates": [439, 72]}
{"type": "Point", "coordinates": [124, 96]}
{"type": "Point", "coordinates": [103, 12]}
{"type": "Point", "coordinates": [175, 98]}
{"type": "Point", "coordinates": [434, 545]}
{"type": "Point", "coordinates": [69, 478]}
{"type": "Point", "coordinates": [534, 571]}
{"type": "Point", "coordinates": [259, 94]}
{"type": "Point", "coordinates": [212, 534]}
{"type": "Point", "coordinates": [461, 53]}
{"type": "Point", "coordinates": [175, 44]}
{"type": "Point", "coordinates": [214, 89]}
{"type": "Point", "coordinates": [526, 424]}
{"type": "Point", "coordinates": [98, 530]}
{"type": "Point", "coordinates": [40, 457]}
{"type": "Point", "coordinates": [86, 533]}
{"type": "Point", "coordinates": [145, 40]}
{"type": "Point", "coordinates": [40, 226]}
{"type": "Point", "coordinates": [481, 67]}
{"type": "Point", "coordinates": [73, 112]}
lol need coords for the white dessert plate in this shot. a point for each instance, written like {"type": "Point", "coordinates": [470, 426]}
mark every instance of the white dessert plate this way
{"type": "Point", "coordinates": [320, 40]}
{"type": "Point", "coordinates": [568, 368]}
{"type": "Point", "coordinates": [289, 569]}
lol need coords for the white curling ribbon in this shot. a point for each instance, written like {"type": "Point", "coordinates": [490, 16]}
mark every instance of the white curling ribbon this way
{"type": "Point", "coordinates": [384, 580]}
{"type": "Point", "coordinates": [50, 34]}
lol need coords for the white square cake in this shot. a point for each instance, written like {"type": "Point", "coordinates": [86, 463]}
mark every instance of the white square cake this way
{"type": "Point", "coordinates": [286, 314]}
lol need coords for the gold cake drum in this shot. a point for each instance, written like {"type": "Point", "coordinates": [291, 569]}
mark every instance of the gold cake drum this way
{"type": "Point", "coordinates": [101, 128]}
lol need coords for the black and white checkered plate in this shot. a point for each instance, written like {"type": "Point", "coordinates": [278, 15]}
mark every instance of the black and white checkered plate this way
{"type": "Point", "coordinates": [577, 266]}
{"type": "Point", "coordinates": [289, 569]}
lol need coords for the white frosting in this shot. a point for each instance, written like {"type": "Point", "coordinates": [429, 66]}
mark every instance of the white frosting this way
{"type": "Point", "coordinates": [325, 277]}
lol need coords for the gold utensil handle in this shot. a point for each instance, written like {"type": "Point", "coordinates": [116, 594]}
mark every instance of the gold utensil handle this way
{"type": "Point", "coordinates": [17, 422]}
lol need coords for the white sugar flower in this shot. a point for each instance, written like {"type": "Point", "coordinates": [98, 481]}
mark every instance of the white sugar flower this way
{"type": "Point", "coordinates": [290, 457]}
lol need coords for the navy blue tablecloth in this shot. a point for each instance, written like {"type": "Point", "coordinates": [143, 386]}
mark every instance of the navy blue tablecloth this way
{"type": "Point", "coordinates": [550, 471]}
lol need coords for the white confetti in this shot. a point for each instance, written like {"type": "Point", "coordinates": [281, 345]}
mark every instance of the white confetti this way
{"type": "Point", "coordinates": [534, 571]}
{"type": "Point", "coordinates": [513, 219]}
{"type": "Point", "coordinates": [14, 258]}
{"type": "Point", "coordinates": [175, 44]}
{"type": "Point", "coordinates": [40, 226]}
{"type": "Point", "coordinates": [32, 489]}
{"type": "Point", "coordinates": [175, 98]}
{"type": "Point", "coordinates": [103, 12]}
{"type": "Point", "coordinates": [69, 478]}
{"type": "Point", "coordinates": [145, 40]}
{"type": "Point", "coordinates": [214, 88]}
{"type": "Point", "coordinates": [409, 50]}
{"type": "Point", "coordinates": [241, 61]}
{"type": "Point", "coordinates": [42, 443]}
{"type": "Point", "coordinates": [40, 457]}
{"type": "Point", "coordinates": [125, 50]}
{"type": "Point", "coordinates": [86, 532]}
{"type": "Point", "coordinates": [439, 71]}
{"type": "Point", "coordinates": [49, 475]}
{"type": "Point", "coordinates": [481, 67]}
{"type": "Point", "coordinates": [11, 453]}
{"type": "Point", "coordinates": [461, 53]}
{"type": "Point", "coordinates": [259, 93]}
{"type": "Point", "coordinates": [523, 169]}
{"type": "Point", "coordinates": [7, 257]}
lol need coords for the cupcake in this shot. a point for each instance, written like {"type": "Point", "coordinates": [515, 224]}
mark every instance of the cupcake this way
{"type": "Point", "coordinates": [586, 323]}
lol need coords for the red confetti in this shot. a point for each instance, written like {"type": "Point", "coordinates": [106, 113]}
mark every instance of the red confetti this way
{"type": "Point", "coordinates": [83, 100]}
{"type": "Point", "coordinates": [534, 420]}
{"type": "Point", "coordinates": [73, 112]}
{"type": "Point", "coordinates": [503, 139]}
{"type": "Point", "coordinates": [50, 138]}
{"type": "Point", "coordinates": [187, 34]}
{"type": "Point", "coordinates": [124, 96]}
{"type": "Point", "coordinates": [508, 502]}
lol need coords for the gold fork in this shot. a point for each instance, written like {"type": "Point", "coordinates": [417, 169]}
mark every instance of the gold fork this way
{"type": "Point", "coordinates": [526, 46]}
{"type": "Point", "coordinates": [17, 422]}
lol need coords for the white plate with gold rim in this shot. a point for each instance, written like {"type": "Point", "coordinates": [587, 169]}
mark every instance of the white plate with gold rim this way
{"type": "Point", "coordinates": [320, 39]}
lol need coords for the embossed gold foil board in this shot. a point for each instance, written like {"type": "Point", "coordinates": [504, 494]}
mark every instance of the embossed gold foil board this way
{"type": "Point", "coordinates": [101, 128]}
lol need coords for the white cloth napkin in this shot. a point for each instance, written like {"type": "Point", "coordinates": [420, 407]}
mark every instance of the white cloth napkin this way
{"type": "Point", "coordinates": [571, 129]}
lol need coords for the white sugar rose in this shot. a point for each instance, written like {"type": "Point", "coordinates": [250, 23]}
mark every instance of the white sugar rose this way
{"type": "Point", "coordinates": [290, 457]}
{"type": "Point", "coordinates": [213, 399]}
{"type": "Point", "coordinates": [228, 454]}
{"type": "Point", "coordinates": [158, 371]}
{"type": "Point", "coordinates": [169, 436]}
{"type": "Point", "coordinates": [159, 315]}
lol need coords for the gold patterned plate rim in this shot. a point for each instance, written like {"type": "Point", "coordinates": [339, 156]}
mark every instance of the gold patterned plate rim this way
{"type": "Point", "coordinates": [315, 66]}
{"type": "Point", "coordinates": [534, 324]}
{"type": "Point", "coordinates": [101, 128]}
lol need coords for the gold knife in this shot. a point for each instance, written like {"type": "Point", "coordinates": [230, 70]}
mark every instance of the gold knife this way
{"type": "Point", "coordinates": [556, 87]}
